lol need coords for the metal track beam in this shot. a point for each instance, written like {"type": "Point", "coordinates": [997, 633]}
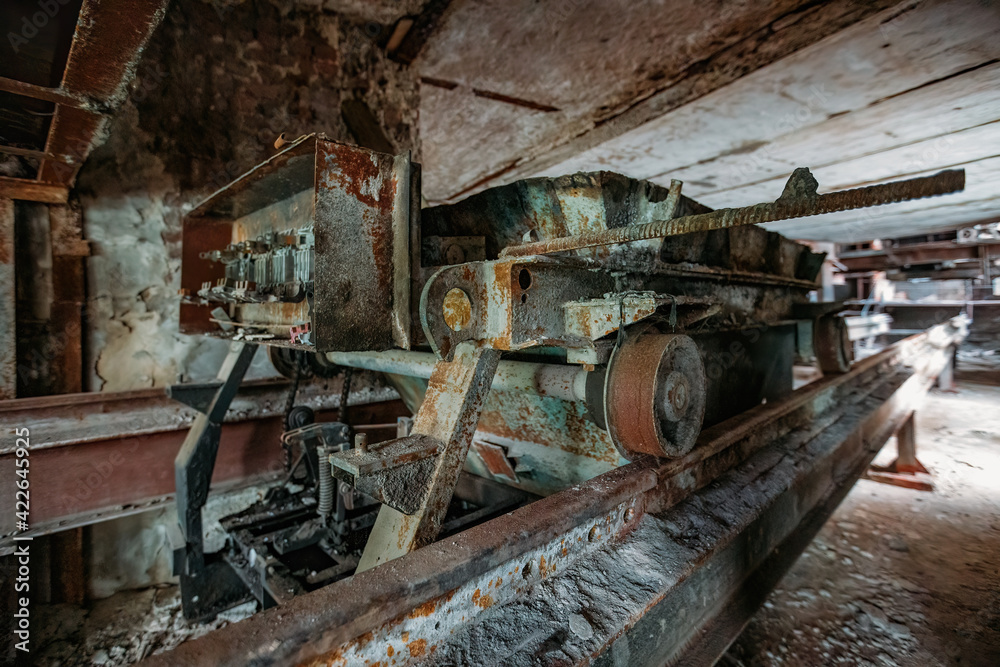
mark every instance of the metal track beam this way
{"type": "Point", "coordinates": [97, 456]}
{"type": "Point", "coordinates": [652, 563]}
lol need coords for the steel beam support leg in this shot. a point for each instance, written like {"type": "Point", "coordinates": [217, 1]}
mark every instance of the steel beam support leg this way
{"type": "Point", "coordinates": [946, 379]}
{"type": "Point", "coordinates": [449, 413]}
{"type": "Point", "coordinates": [904, 470]}
{"type": "Point", "coordinates": [206, 588]}
{"type": "Point", "coordinates": [906, 448]}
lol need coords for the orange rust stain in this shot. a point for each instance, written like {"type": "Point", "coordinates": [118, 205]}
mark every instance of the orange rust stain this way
{"type": "Point", "coordinates": [484, 601]}
{"type": "Point", "coordinates": [499, 581]}
{"type": "Point", "coordinates": [417, 648]}
{"type": "Point", "coordinates": [564, 552]}
{"type": "Point", "coordinates": [426, 609]}
{"type": "Point", "coordinates": [457, 309]}
{"type": "Point", "coordinates": [403, 532]}
{"type": "Point", "coordinates": [475, 596]}
{"type": "Point", "coordinates": [542, 569]}
{"type": "Point", "coordinates": [337, 657]}
{"type": "Point", "coordinates": [390, 650]}
{"type": "Point", "coordinates": [405, 636]}
{"type": "Point", "coordinates": [356, 173]}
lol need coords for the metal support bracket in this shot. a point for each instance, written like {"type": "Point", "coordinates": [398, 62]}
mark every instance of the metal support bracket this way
{"type": "Point", "coordinates": [395, 474]}
{"type": "Point", "coordinates": [447, 420]}
{"type": "Point", "coordinates": [905, 470]}
{"type": "Point", "coordinates": [208, 584]}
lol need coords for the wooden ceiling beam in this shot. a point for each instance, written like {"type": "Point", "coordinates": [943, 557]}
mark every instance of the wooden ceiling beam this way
{"type": "Point", "coordinates": [46, 193]}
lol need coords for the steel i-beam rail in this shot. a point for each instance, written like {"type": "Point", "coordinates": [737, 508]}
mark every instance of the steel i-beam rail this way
{"type": "Point", "coordinates": [656, 562]}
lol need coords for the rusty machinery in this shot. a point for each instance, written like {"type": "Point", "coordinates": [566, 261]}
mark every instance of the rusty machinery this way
{"type": "Point", "coordinates": [544, 333]}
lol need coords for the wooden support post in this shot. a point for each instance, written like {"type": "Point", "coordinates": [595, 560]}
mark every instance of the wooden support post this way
{"type": "Point", "coordinates": [906, 448]}
{"type": "Point", "coordinates": [50, 299]}
{"type": "Point", "coordinates": [8, 328]}
{"type": "Point", "coordinates": [68, 572]}
{"type": "Point", "coordinates": [33, 280]}
{"type": "Point", "coordinates": [68, 298]}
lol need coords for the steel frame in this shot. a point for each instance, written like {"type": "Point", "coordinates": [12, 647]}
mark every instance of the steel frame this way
{"type": "Point", "coordinates": [652, 563]}
{"type": "Point", "coordinates": [99, 456]}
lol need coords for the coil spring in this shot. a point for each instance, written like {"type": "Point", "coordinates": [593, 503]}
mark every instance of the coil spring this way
{"type": "Point", "coordinates": [325, 482]}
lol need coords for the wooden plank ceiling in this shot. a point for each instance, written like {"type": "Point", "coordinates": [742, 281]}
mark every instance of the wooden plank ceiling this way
{"type": "Point", "coordinates": [905, 91]}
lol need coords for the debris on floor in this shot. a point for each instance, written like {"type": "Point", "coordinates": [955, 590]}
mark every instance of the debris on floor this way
{"type": "Point", "coordinates": [122, 629]}
{"type": "Point", "coordinates": [897, 576]}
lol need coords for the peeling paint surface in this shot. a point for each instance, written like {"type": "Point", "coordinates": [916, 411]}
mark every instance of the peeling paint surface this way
{"type": "Point", "coordinates": [416, 637]}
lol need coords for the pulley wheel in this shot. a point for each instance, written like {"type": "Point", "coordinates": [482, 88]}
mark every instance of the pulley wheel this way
{"type": "Point", "coordinates": [832, 344]}
{"type": "Point", "coordinates": [654, 395]}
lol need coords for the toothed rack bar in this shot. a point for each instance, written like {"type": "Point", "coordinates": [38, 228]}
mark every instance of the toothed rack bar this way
{"type": "Point", "coordinates": [786, 207]}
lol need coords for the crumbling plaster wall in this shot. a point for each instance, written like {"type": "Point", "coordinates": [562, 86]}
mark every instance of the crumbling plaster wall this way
{"type": "Point", "coordinates": [218, 83]}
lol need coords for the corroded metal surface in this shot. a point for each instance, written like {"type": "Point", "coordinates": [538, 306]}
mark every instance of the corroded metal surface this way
{"type": "Point", "coordinates": [654, 395]}
{"type": "Point", "coordinates": [313, 237]}
{"type": "Point", "coordinates": [359, 241]}
{"type": "Point", "coordinates": [552, 443]}
{"type": "Point", "coordinates": [448, 414]}
{"type": "Point", "coordinates": [102, 455]}
{"type": "Point", "coordinates": [832, 344]}
{"type": "Point", "coordinates": [515, 304]}
{"type": "Point", "coordinates": [798, 201]}
{"type": "Point", "coordinates": [648, 564]}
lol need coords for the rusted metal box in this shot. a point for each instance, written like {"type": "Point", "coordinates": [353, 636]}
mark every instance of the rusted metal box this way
{"type": "Point", "coordinates": [310, 249]}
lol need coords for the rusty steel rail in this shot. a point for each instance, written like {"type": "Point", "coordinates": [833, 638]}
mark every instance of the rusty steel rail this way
{"type": "Point", "coordinates": [652, 563]}
{"type": "Point", "coordinates": [799, 200]}
{"type": "Point", "coordinates": [98, 456]}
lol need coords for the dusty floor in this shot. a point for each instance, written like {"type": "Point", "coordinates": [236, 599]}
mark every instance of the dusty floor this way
{"type": "Point", "coordinates": [896, 577]}
{"type": "Point", "coordinates": [120, 630]}
{"type": "Point", "coordinates": [902, 577]}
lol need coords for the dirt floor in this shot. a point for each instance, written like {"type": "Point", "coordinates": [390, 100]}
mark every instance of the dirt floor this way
{"type": "Point", "coordinates": [896, 577]}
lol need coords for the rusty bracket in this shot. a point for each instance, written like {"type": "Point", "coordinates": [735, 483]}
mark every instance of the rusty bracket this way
{"type": "Point", "coordinates": [519, 303]}
{"type": "Point", "coordinates": [396, 473]}
{"type": "Point", "coordinates": [405, 471]}
{"type": "Point", "coordinates": [514, 304]}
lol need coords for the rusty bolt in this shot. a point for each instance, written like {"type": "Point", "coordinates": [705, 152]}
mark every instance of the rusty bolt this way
{"type": "Point", "coordinates": [361, 442]}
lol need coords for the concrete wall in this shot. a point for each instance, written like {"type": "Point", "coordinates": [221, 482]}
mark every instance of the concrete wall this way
{"type": "Point", "coordinates": [217, 84]}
